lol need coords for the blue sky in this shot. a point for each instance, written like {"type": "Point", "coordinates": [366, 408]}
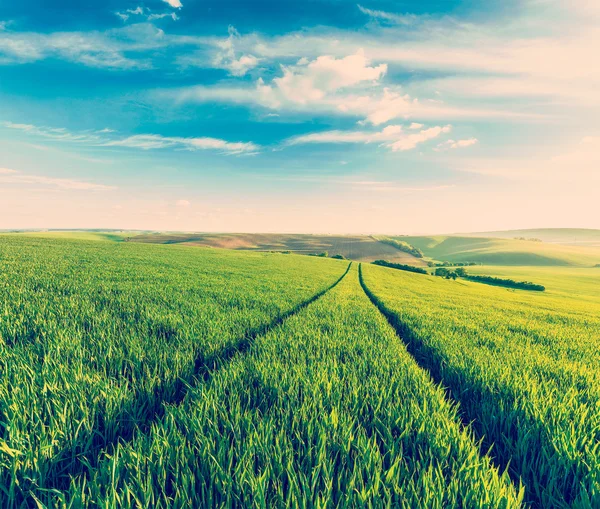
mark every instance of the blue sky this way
{"type": "Point", "coordinates": [315, 116]}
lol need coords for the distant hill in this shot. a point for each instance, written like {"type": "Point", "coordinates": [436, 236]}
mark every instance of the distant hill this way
{"type": "Point", "coordinates": [504, 251]}
{"type": "Point", "coordinates": [354, 247]}
{"type": "Point", "coordinates": [558, 247]}
{"type": "Point", "coordinates": [568, 236]}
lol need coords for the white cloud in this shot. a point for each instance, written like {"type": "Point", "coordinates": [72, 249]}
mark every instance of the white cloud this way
{"type": "Point", "coordinates": [114, 49]}
{"type": "Point", "coordinates": [183, 203]}
{"type": "Point", "coordinates": [496, 58]}
{"type": "Point", "coordinates": [412, 140]}
{"type": "Point", "coordinates": [142, 141]}
{"type": "Point", "coordinates": [171, 15]}
{"type": "Point", "coordinates": [306, 84]}
{"type": "Point", "coordinates": [55, 133]}
{"type": "Point", "coordinates": [312, 81]}
{"type": "Point", "coordinates": [415, 125]}
{"type": "Point", "coordinates": [392, 137]}
{"type": "Point", "coordinates": [176, 4]}
{"type": "Point", "coordinates": [154, 141]}
{"type": "Point", "coordinates": [141, 11]}
{"type": "Point", "coordinates": [464, 143]}
{"type": "Point", "coordinates": [8, 176]}
{"type": "Point", "coordinates": [389, 133]}
{"type": "Point", "coordinates": [298, 91]}
{"type": "Point", "coordinates": [400, 19]}
{"type": "Point", "coordinates": [452, 144]}
{"type": "Point", "coordinates": [226, 57]}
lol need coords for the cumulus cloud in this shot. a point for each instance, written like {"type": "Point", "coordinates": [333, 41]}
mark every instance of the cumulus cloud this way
{"type": "Point", "coordinates": [392, 137]}
{"type": "Point", "coordinates": [176, 4]}
{"type": "Point", "coordinates": [9, 176]}
{"type": "Point", "coordinates": [312, 81]}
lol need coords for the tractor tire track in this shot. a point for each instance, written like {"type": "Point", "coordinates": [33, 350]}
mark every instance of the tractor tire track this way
{"type": "Point", "coordinates": [155, 404]}
{"type": "Point", "coordinates": [422, 355]}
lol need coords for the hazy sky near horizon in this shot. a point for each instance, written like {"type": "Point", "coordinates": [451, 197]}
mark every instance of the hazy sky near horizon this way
{"type": "Point", "coordinates": [315, 116]}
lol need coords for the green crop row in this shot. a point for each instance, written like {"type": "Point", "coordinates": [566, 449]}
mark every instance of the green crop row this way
{"type": "Point", "coordinates": [325, 410]}
{"type": "Point", "coordinates": [96, 338]}
{"type": "Point", "coordinates": [524, 367]}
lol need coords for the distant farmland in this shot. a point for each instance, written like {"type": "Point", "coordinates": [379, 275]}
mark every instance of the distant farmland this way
{"type": "Point", "coordinates": [553, 247]}
{"type": "Point", "coordinates": [504, 251]}
{"type": "Point", "coordinates": [354, 247]}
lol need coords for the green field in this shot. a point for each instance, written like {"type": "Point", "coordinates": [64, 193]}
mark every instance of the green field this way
{"type": "Point", "coordinates": [568, 236]}
{"type": "Point", "coordinates": [498, 251]}
{"type": "Point", "coordinates": [142, 375]}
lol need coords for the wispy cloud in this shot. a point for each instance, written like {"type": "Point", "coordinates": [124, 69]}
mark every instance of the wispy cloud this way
{"type": "Point", "coordinates": [146, 13]}
{"type": "Point", "coordinates": [154, 141]}
{"type": "Point", "coordinates": [122, 48]}
{"type": "Point", "coordinates": [452, 144]}
{"type": "Point", "coordinates": [226, 56]}
{"type": "Point", "coordinates": [141, 141]}
{"type": "Point", "coordinates": [9, 176]}
{"type": "Point", "coordinates": [400, 19]}
{"type": "Point", "coordinates": [392, 137]}
{"type": "Point", "coordinates": [56, 133]}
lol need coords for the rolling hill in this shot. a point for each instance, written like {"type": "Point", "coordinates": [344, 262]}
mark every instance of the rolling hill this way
{"type": "Point", "coordinates": [354, 247]}
{"type": "Point", "coordinates": [568, 236]}
{"type": "Point", "coordinates": [503, 251]}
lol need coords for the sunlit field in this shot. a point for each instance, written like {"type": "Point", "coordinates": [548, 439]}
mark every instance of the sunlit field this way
{"type": "Point", "coordinates": [141, 375]}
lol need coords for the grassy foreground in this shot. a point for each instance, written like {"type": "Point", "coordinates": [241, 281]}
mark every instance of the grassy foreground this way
{"type": "Point", "coordinates": [161, 376]}
{"type": "Point", "coordinates": [95, 339]}
{"type": "Point", "coordinates": [151, 376]}
{"type": "Point", "coordinates": [524, 368]}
